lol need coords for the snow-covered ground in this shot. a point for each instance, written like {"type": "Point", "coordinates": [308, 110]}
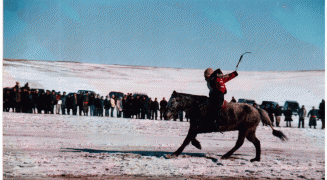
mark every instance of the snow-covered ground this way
{"type": "Point", "coordinates": [55, 145]}
{"type": "Point", "coordinates": [77, 146]}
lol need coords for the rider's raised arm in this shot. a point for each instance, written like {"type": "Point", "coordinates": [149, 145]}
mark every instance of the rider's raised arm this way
{"type": "Point", "coordinates": [229, 76]}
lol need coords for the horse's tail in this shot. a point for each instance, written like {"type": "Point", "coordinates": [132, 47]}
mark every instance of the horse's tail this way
{"type": "Point", "coordinates": [265, 119]}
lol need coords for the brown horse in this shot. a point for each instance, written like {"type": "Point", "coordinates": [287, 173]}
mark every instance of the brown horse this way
{"type": "Point", "coordinates": [235, 116]}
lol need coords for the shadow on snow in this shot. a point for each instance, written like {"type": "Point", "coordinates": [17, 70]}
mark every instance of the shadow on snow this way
{"type": "Point", "coordinates": [157, 154]}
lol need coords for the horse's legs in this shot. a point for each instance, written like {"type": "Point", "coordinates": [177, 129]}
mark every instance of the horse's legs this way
{"type": "Point", "coordinates": [252, 138]}
{"type": "Point", "coordinates": [190, 137]}
{"type": "Point", "coordinates": [239, 143]}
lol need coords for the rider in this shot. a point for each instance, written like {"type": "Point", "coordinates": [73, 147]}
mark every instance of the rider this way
{"type": "Point", "coordinates": [216, 84]}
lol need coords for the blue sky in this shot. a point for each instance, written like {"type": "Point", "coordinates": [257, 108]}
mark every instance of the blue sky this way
{"type": "Point", "coordinates": [282, 35]}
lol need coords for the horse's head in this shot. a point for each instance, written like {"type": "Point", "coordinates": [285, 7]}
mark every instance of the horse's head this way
{"type": "Point", "coordinates": [174, 105]}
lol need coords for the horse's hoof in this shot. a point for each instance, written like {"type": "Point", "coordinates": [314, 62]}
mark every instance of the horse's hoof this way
{"type": "Point", "coordinates": [196, 144]}
{"type": "Point", "coordinates": [171, 156]}
{"type": "Point", "coordinates": [224, 157]}
{"type": "Point", "coordinates": [255, 159]}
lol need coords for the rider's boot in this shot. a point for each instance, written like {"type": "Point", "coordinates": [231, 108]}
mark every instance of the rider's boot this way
{"type": "Point", "coordinates": [214, 118]}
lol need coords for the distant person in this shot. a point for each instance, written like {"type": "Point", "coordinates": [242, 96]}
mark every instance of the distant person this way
{"type": "Point", "coordinates": [63, 103]}
{"type": "Point", "coordinates": [6, 101]}
{"type": "Point", "coordinates": [144, 107]}
{"type": "Point", "coordinates": [163, 108]}
{"type": "Point", "coordinates": [48, 102]}
{"type": "Point", "coordinates": [36, 97]}
{"type": "Point", "coordinates": [154, 109]}
{"type": "Point", "coordinates": [278, 114]}
{"type": "Point", "coordinates": [91, 104]}
{"type": "Point", "coordinates": [23, 101]}
{"type": "Point", "coordinates": [29, 102]}
{"type": "Point", "coordinates": [322, 113]}
{"type": "Point", "coordinates": [96, 105]}
{"type": "Point", "coordinates": [53, 101]}
{"type": "Point", "coordinates": [26, 87]}
{"type": "Point", "coordinates": [233, 100]}
{"type": "Point", "coordinates": [74, 103]}
{"type": "Point", "coordinates": [59, 102]}
{"type": "Point", "coordinates": [69, 104]}
{"type": "Point", "coordinates": [313, 117]}
{"type": "Point", "coordinates": [17, 86]}
{"type": "Point", "coordinates": [138, 105]}
{"type": "Point", "coordinates": [80, 103]}
{"type": "Point", "coordinates": [106, 107]}
{"type": "Point", "coordinates": [288, 117]}
{"type": "Point", "coordinates": [302, 113]}
{"type": "Point", "coordinates": [119, 106]}
{"type": "Point", "coordinates": [112, 105]}
{"type": "Point", "coordinates": [19, 100]}
{"type": "Point", "coordinates": [35, 94]}
{"type": "Point", "coordinates": [131, 108]}
{"type": "Point", "coordinates": [101, 105]}
{"type": "Point", "coordinates": [125, 103]}
{"type": "Point", "coordinates": [41, 103]}
{"type": "Point", "coordinates": [86, 104]}
{"type": "Point", "coordinates": [13, 99]}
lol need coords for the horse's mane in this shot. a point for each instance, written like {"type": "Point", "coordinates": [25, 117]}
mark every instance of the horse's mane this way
{"type": "Point", "coordinates": [192, 95]}
{"type": "Point", "coordinates": [198, 98]}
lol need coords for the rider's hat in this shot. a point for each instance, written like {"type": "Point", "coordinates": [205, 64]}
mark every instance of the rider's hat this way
{"type": "Point", "coordinates": [208, 72]}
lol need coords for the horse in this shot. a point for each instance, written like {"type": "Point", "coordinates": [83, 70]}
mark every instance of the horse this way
{"type": "Point", "coordinates": [234, 116]}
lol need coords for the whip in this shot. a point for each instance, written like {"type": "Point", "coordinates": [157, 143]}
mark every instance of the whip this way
{"type": "Point", "coordinates": [240, 60]}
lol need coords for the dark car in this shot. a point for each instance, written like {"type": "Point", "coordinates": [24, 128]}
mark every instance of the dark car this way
{"type": "Point", "coordinates": [116, 94]}
{"type": "Point", "coordinates": [85, 91]}
{"type": "Point", "coordinates": [268, 103]}
{"type": "Point", "coordinates": [141, 95]}
{"type": "Point", "coordinates": [71, 94]}
{"type": "Point", "coordinates": [248, 101]}
{"type": "Point", "coordinates": [293, 105]}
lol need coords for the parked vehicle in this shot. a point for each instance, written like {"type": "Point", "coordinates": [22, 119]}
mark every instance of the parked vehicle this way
{"type": "Point", "coordinates": [293, 105]}
{"type": "Point", "coordinates": [268, 103]}
{"type": "Point", "coordinates": [248, 101]}
{"type": "Point", "coordinates": [141, 95]}
{"type": "Point", "coordinates": [71, 94]}
{"type": "Point", "coordinates": [116, 94]}
{"type": "Point", "coordinates": [85, 91]}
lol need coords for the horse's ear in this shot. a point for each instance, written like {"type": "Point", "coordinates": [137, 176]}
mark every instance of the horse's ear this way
{"type": "Point", "coordinates": [174, 92]}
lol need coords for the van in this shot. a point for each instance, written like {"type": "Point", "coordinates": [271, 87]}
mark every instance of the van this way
{"type": "Point", "coordinates": [268, 103]}
{"type": "Point", "coordinates": [293, 105]}
{"type": "Point", "coordinates": [85, 91]}
{"type": "Point", "coordinates": [247, 101]}
{"type": "Point", "coordinates": [116, 94]}
{"type": "Point", "coordinates": [141, 95]}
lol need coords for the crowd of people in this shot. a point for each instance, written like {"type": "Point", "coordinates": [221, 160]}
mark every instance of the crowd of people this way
{"type": "Point", "coordinates": [26, 100]}
{"type": "Point", "coordinates": [23, 99]}
{"type": "Point", "coordinates": [275, 114]}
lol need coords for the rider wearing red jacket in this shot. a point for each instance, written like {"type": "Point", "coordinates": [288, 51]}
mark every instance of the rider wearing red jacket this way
{"type": "Point", "coordinates": [216, 83]}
